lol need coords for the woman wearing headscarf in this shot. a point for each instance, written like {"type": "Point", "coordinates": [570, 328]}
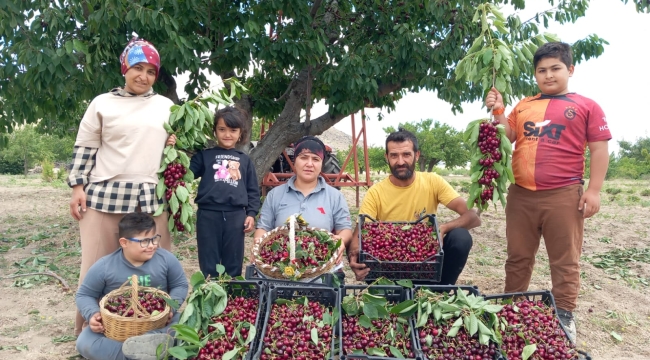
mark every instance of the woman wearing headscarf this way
{"type": "Point", "coordinates": [117, 154]}
{"type": "Point", "coordinates": [307, 193]}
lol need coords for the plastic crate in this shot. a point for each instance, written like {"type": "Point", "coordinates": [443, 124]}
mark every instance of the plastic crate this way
{"type": "Point", "coordinates": [545, 296]}
{"type": "Point", "coordinates": [250, 289]}
{"type": "Point", "coordinates": [324, 295]}
{"type": "Point", "coordinates": [429, 270]}
{"type": "Point", "coordinates": [392, 293]}
{"type": "Point", "coordinates": [252, 273]}
{"type": "Point", "coordinates": [451, 289]}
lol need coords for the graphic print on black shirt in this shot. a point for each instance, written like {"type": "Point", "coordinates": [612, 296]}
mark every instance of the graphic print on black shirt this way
{"type": "Point", "coordinates": [226, 169]}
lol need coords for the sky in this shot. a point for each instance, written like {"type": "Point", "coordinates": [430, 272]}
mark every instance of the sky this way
{"type": "Point", "coordinates": [618, 80]}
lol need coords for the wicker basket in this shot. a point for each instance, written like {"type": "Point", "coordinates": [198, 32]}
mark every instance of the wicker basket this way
{"type": "Point", "coordinates": [275, 272]}
{"type": "Point", "coordinates": [121, 328]}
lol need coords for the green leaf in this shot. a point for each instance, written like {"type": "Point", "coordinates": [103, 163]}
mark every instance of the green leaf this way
{"type": "Point", "coordinates": [79, 46]}
{"type": "Point", "coordinates": [370, 310]}
{"type": "Point", "coordinates": [500, 84]}
{"type": "Point", "coordinates": [376, 352]}
{"type": "Point", "coordinates": [314, 335]}
{"type": "Point", "coordinates": [160, 188]}
{"type": "Point", "coordinates": [473, 324]}
{"type": "Point", "coordinates": [186, 211]}
{"type": "Point", "coordinates": [492, 308]}
{"type": "Point", "coordinates": [172, 155]}
{"type": "Point", "coordinates": [197, 279]}
{"type": "Point", "coordinates": [178, 352]}
{"type": "Point", "coordinates": [528, 351]}
{"type": "Point", "coordinates": [405, 283]}
{"type": "Point", "coordinates": [251, 334]}
{"type": "Point", "coordinates": [182, 194]}
{"type": "Point", "coordinates": [616, 336]}
{"type": "Point", "coordinates": [173, 203]}
{"type": "Point", "coordinates": [221, 305]}
{"type": "Point", "coordinates": [483, 339]}
{"type": "Point", "coordinates": [187, 312]}
{"type": "Point", "coordinates": [171, 224]}
{"type": "Point", "coordinates": [453, 331]}
{"type": "Point", "coordinates": [231, 354]}
{"type": "Point", "coordinates": [373, 299]}
{"type": "Point", "coordinates": [403, 307]}
{"type": "Point", "coordinates": [396, 353]}
{"type": "Point", "coordinates": [171, 302]}
{"type": "Point", "coordinates": [487, 56]}
{"type": "Point", "coordinates": [221, 269]}
{"type": "Point", "coordinates": [365, 321]}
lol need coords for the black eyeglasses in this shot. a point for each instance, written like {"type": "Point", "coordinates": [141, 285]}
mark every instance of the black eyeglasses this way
{"type": "Point", "coordinates": [144, 243]}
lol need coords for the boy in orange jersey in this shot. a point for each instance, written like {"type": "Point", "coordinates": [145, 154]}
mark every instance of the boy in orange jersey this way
{"type": "Point", "coordinates": [551, 131]}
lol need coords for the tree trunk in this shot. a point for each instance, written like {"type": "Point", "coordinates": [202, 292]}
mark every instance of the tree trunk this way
{"type": "Point", "coordinates": [421, 163]}
{"type": "Point", "coordinates": [170, 84]}
{"type": "Point", "coordinates": [25, 165]}
{"type": "Point", "coordinates": [432, 163]}
{"type": "Point", "coordinates": [287, 127]}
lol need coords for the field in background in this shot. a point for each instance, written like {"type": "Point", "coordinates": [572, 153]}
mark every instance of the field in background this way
{"type": "Point", "coordinates": [37, 234]}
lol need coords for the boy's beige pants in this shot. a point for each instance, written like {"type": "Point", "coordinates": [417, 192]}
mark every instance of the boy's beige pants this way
{"type": "Point", "coordinates": [99, 237]}
{"type": "Point", "coordinates": [554, 215]}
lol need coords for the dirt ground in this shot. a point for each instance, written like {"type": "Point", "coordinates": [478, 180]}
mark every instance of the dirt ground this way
{"type": "Point", "coordinates": [38, 234]}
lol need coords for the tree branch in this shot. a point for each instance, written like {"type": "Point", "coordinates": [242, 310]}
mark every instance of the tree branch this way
{"type": "Point", "coordinates": [170, 83]}
{"type": "Point", "coordinates": [314, 8]}
{"type": "Point", "coordinates": [61, 280]}
{"type": "Point", "coordinates": [549, 11]}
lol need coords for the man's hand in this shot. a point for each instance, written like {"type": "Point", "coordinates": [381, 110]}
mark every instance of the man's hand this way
{"type": "Point", "coordinates": [249, 224]}
{"type": "Point", "coordinates": [78, 201]}
{"type": "Point", "coordinates": [360, 270]}
{"type": "Point", "coordinates": [442, 229]}
{"type": "Point", "coordinates": [494, 100]}
{"type": "Point", "coordinates": [169, 319]}
{"type": "Point", "coordinates": [589, 203]}
{"type": "Point", "coordinates": [95, 323]}
{"type": "Point", "coordinates": [171, 140]}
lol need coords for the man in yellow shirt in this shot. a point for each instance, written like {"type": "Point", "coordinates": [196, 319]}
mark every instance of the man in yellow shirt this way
{"type": "Point", "coordinates": [406, 195]}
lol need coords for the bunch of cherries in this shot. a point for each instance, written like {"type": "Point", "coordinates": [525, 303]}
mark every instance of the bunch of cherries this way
{"type": "Point", "coordinates": [173, 179]}
{"type": "Point", "coordinates": [357, 337]}
{"type": "Point", "coordinates": [399, 242]}
{"type": "Point", "coordinates": [238, 311]}
{"type": "Point", "coordinates": [317, 251]}
{"type": "Point", "coordinates": [289, 333]}
{"type": "Point", "coordinates": [488, 143]}
{"type": "Point", "coordinates": [534, 322]}
{"type": "Point", "coordinates": [121, 305]}
{"type": "Point", "coordinates": [436, 345]}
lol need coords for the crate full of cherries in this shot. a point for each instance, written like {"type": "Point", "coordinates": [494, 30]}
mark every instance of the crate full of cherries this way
{"type": "Point", "coordinates": [401, 250]}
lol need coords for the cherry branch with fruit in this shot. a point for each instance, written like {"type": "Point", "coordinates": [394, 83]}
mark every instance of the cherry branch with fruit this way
{"type": "Point", "coordinates": [192, 123]}
{"type": "Point", "coordinates": [492, 62]}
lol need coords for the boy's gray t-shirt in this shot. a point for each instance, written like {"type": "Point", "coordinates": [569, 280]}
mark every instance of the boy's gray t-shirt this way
{"type": "Point", "coordinates": [324, 208]}
{"type": "Point", "coordinates": [163, 271]}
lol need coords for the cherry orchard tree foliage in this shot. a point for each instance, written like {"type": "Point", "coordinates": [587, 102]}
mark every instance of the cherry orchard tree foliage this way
{"type": "Point", "coordinates": [55, 55]}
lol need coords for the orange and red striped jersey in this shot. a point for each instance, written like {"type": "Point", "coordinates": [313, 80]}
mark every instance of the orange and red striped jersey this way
{"type": "Point", "coordinates": [552, 135]}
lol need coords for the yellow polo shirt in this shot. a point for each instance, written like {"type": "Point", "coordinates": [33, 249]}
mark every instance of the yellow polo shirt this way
{"type": "Point", "coordinates": [387, 202]}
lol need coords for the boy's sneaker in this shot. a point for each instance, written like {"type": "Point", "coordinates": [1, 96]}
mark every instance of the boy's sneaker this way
{"type": "Point", "coordinates": [567, 320]}
{"type": "Point", "coordinates": [144, 347]}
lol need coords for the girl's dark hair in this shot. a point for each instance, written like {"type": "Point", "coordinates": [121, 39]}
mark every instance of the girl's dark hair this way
{"type": "Point", "coordinates": [556, 50]}
{"type": "Point", "coordinates": [135, 223]}
{"type": "Point", "coordinates": [234, 118]}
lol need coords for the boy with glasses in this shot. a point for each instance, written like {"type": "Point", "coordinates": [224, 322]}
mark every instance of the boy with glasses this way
{"type": "Point", "coordinates": [138, 254]}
